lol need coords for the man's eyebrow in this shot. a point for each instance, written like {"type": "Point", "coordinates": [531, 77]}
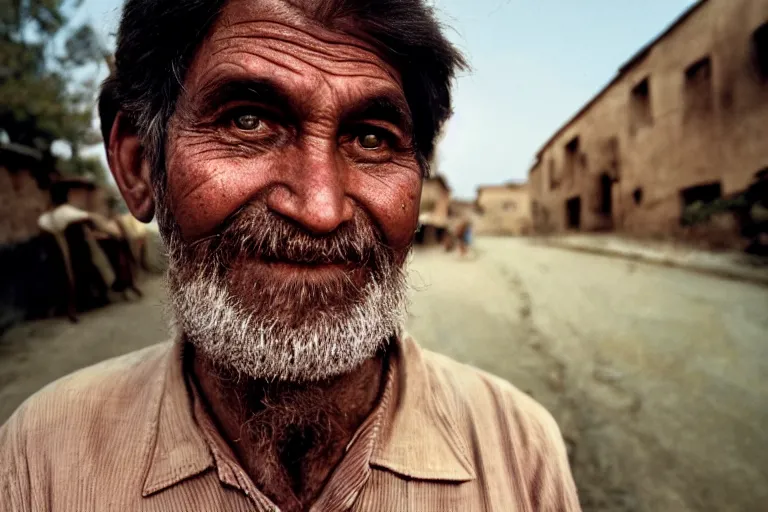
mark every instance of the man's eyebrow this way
{"type": "Point", "coordinates": [388, 107]}
{"type": "Point", "coordinates": [220, 92]}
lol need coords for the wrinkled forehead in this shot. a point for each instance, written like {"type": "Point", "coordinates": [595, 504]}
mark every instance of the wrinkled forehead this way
{"type": "Point", "coordinates": [272, 39]}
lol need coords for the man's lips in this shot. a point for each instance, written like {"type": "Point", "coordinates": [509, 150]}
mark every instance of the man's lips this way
{"type": "Point", "coordinates": [302, 265]}
{"type": "Point", "coordinates": [292, 269]}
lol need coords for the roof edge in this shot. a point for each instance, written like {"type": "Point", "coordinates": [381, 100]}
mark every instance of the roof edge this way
{"type": "Point", "coordinates": [637, 57]}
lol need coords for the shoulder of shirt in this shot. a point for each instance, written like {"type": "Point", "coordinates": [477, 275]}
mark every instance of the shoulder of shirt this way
{"type": "Point", "coordinates": [102, 392]}
{"type": "Point", "coordinates": [486, 403]}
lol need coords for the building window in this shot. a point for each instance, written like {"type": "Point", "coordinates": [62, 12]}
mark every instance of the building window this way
{"type": "Point", "coordinates": [760, 50]}
{"type": "Point", "coordinates": [509, 206]}
{"type": "Point", "coordinates": [428, 205]}
{"type": "Point", "coordinates": [698, 88]}
{"type": "Point", "coordinates": [573, 159]}
{"type": "Point", "coordinates": [637, 195]}
{"type": "Point", "coordinates": [573, 212]}
{"type": "Point", "coordinates": [640, 113]}
{"type": "Point", "coordinates": [605, 206]}
{"type": "Point", "coordinates": [610, 155]}
{"type": "Point", "coordinates": [572, 148]}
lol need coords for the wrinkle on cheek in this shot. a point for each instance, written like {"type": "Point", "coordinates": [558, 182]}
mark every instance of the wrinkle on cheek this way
{"type": "Point", "coordinates": [185, 174]}
{"type": "Point", "coordinates": [204, 191]}
{"type": "Point", "coordinates": [392, 199]}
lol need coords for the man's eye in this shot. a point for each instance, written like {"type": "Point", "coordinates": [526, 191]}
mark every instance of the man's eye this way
{"type": "Point", "coordinates": [370, 141]}
{"type": "Point", "coordinates": [248, 122]}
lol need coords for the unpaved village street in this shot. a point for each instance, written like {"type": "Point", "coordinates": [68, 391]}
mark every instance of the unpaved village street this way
{"type": "Point", "coordinates": [656, 375]}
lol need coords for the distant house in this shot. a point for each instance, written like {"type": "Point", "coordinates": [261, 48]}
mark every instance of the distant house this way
{"type": "Point", "coordinates": [462, 209]}
{"type": "Point", "coordinates": [504, 210]}
{"type": "Point", "coordinates": [433, 210]}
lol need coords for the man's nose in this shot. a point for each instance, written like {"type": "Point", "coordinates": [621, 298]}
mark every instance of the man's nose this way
{"type": "Point", "coordinates": [314, 193]}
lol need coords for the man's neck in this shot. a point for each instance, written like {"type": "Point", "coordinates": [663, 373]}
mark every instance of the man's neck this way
{"type": "Point", "coordinates": [289, 437]}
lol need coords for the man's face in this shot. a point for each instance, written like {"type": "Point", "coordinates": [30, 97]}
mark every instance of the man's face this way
{"type": "Point", "coordinates": [312, 123]}
{"type": "Point", "coordinates": [291, 198]}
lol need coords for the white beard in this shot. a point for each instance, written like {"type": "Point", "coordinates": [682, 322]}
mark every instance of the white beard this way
{"type": "Point", "coordinates": [260, 347]}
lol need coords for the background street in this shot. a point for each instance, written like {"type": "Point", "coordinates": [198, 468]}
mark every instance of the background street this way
{"type": "Point", "coordinates": [656, 375]}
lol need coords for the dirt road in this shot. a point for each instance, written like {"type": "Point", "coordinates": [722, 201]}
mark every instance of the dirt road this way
{"type": "Point", "coordinates": [656, 376]}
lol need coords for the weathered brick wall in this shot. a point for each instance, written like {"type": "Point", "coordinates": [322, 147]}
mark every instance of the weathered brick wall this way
{"type": "Point", "coordinates": [435, 201]}
{"type": "Point", "coordinates": [720, 138]}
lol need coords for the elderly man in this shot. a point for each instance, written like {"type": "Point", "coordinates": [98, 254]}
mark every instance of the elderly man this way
{"type": "Point", "coordinates": [281, 145]}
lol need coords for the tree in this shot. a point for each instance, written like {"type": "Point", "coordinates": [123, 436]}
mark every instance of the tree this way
{"type": "Point", "coordinates": [43, 97]}
{"type": "Point", "coordinates": [85, 166]}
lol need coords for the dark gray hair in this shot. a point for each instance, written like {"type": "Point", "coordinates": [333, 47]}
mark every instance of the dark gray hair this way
{"type": "Point", "coordinates": [157, 41]}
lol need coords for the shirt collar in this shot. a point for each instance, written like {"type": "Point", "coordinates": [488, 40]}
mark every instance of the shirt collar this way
{"type": "Point", "coordinates": [419, 436]}
{"type": "Point", "coordinates": [180, 452]}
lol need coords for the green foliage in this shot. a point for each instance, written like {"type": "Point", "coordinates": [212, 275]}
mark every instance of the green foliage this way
{"type": "Point", "coordinates": [700, 211]}
{"type": "Point", "coordinates": [83, 167]}
{"type": "Point", "coordinates": [41, 99]}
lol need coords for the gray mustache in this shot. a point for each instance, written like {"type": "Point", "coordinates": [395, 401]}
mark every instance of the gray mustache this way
{"type": "Point", "coordinates": [256, 232]}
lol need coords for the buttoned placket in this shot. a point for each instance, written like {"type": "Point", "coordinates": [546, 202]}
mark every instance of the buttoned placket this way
{"type": "Point", "coordinates": [348, 478]}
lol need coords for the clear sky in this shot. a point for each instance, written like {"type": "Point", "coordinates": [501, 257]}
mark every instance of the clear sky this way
{"type": "Point", "coordinates": [534, 64]}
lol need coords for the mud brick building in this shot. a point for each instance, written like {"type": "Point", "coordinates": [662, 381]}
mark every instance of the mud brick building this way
{"type": "Point", "coordinates": [683, 124]}
{"type": "Point", "coordinates": [24, 181]}
{"type": "Point", "coordinates": [504, 210]}
{"type": "Point", "coordinates": [433, 210]}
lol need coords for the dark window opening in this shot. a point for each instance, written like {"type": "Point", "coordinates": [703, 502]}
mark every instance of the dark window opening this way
{"type": "Point", "coordinates": [640, 106]}
{"type": "Point", "coordinates": [572, 148]}
{"type": "Point", "coordinates": [573, 159]}
{"type": "Point", "coordinates": [610, 155]}
{"type": "Point", "coordinates": [760, 50]}
{"type": "Point", "coordinates": [698, 88]}
{"type": "Point", "coordinates": [606, 195]}
{"type": "Point", "coordinates": [573, 212]}
{"type": "Point", "coordinates": [428, 205]}
{"type": "Point", "coordinates": [637, 195]}
{"type": "Point", "coordinates": [695, 202]}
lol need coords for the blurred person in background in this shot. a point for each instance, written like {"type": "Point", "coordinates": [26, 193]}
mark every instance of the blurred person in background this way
{"type": "Point", "coordinates": [281, 146]}
{"type": "Point", "coordinates": [464, 236]}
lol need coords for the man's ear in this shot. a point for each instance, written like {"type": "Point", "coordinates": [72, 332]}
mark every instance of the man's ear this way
{"type": "Point", "coordinates": [130, 169]}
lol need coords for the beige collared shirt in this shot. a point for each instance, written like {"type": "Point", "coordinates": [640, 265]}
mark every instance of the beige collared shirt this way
{"type": "Point", "coordinates": [128, 435]}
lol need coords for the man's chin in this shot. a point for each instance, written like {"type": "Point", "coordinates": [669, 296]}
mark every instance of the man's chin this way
{"type": "Point", "coordinates": [276, 335]}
